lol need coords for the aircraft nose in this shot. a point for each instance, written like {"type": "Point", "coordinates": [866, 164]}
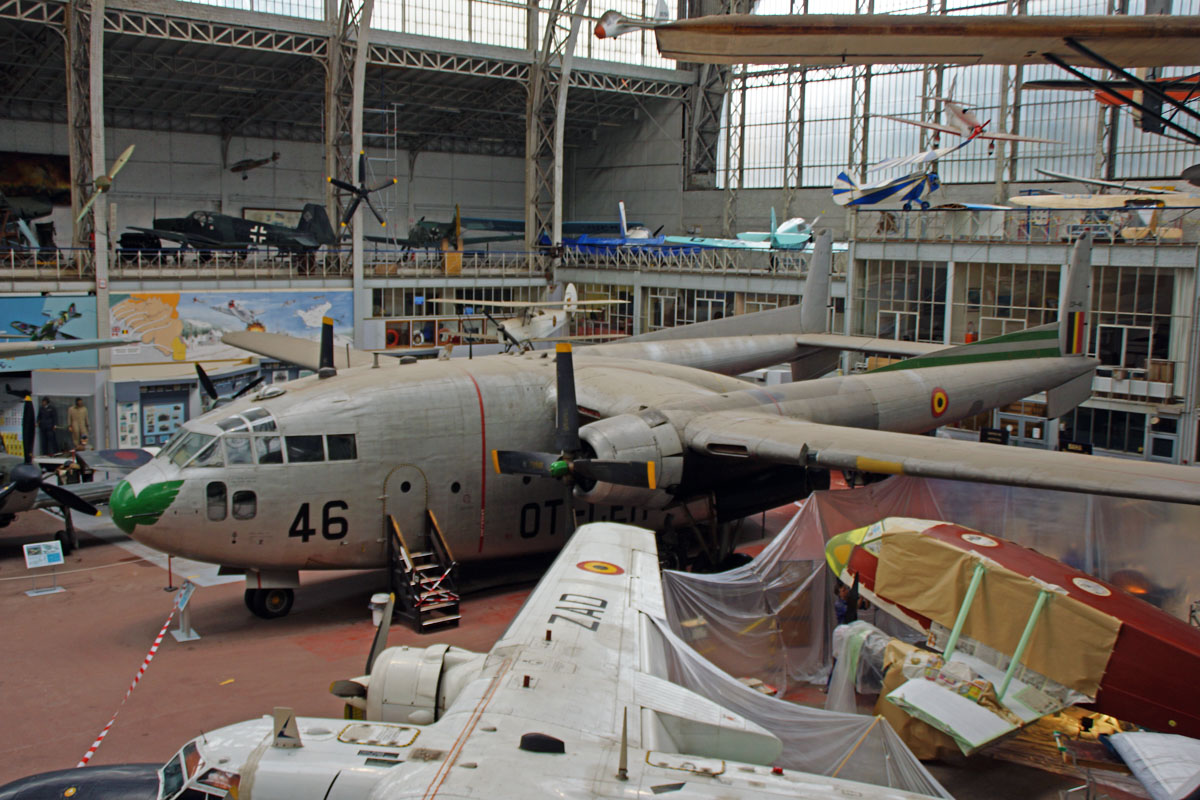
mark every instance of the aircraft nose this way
{"type": "Point", "coordinates": [142, 498]}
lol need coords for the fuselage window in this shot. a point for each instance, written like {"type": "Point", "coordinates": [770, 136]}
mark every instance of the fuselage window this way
{"type": "Point", "coordinates": [341, 447]}
{"type": "Point", "coordinates": [245, 505]}
{"type": "Point", "coordinates": [216, 501]}
{"type": "Point", "coordinates": [268, 449]}
{"type": "Point", "coordinates": [237, 450]}
{"type": "Point", "coordinates": [304, 448]}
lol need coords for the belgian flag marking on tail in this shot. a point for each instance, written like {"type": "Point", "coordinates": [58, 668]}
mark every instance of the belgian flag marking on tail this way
{"type": "Point", "coordinates": [1075, 322]}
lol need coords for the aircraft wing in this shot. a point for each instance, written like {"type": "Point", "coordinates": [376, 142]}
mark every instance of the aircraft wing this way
{"type": "Point", "coordinates": [301, 352]}
{"type": "Point", "coordinates": [16, 349]}
{"type": "Point", "coordinates": [579, 656]}
{"type": "Point", "coordinates": [1013, 137]}
{"type": "Point", "coordinates": [867, 344]}
{"type": "Point", "coordinates": [850, 39]}
{"type": "Point", "coordinates": [732, 244]}
{"type": "Point", "coordinates": [923, 157]}
{"type": "Point", "coordinates": [1062, 176]}
{"type": "Point", "coordinates": [794, 441]}
{"type": "Point", "coordinates": [933, 126]}
{"type": "Point", "coordinates": [96, 493]}
{"type": "Point", "coordinates": [193, 239]}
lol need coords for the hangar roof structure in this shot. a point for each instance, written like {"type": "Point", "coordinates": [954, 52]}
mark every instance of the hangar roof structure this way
{"type": "Point", "coordinates": [198, 68]}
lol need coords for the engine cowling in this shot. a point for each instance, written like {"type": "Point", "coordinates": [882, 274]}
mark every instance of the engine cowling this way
{"type": "Point", "coordinates": [645, 436]}
{"type": "Point", "coordinates": [415, 685]}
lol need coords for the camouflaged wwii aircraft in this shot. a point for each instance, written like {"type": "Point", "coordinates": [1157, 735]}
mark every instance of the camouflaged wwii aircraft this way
{"type": "Point", "coordinates": [327, 472]}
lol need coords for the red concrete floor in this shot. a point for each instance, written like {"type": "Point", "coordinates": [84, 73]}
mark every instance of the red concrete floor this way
{"type": "Point", "coordinates": [67, 659]}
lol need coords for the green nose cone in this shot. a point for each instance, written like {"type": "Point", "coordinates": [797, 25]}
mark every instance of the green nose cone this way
{"type": "Point", "coordinates": [130, 510]}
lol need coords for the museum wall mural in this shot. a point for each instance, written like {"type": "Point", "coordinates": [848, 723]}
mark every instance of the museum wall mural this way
{"type": "Point", "coordinates": [187, 326]}
{"type": "Point", "coordinates": [38, 317]}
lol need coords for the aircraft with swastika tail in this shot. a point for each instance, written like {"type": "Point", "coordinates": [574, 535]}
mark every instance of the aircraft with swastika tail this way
{"type": "Point", "coordinates": [207, 231]}
{"type": "Point", "coordinates": [495, 458]}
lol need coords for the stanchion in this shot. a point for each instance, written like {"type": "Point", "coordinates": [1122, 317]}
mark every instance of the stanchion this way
{"type": "Point", "coordinates": [170, 587]}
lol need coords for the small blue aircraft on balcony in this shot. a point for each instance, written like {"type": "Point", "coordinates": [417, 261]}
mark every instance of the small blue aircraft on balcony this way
{"type": "Point", "coordinates": [793, 234]}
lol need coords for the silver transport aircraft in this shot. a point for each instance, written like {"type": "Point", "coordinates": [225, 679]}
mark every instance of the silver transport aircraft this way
{"type": "Point", "coordinates": [572, 702]}
{"type": "Point", "coordinates": [508, 452]}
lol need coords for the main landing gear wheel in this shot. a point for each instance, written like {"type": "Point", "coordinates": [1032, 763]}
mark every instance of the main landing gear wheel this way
{"type": "Point", "coordinates": [68, 541]}
{"type": "Point", "coordinates": [270, 603]}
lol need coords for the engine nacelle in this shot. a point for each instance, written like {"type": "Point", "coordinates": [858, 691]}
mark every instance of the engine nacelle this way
{"type": "Point", "coordinates": [645, 436]}
{"type": "Point", "coordinates": [415, 685]}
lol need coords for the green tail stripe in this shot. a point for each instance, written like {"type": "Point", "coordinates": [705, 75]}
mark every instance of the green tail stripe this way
{"type": "Point", "coordinates": [1039, 342]}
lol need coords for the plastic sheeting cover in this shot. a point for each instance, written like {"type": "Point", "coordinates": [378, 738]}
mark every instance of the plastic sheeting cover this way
{"type": "Point", "coordinates": [849, 746]}
{"type": "Point", "coordinates": [773, 618]}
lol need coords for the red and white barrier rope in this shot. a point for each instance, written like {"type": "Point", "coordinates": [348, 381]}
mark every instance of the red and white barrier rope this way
{"type": "Point", "coordinates": [141, 671]}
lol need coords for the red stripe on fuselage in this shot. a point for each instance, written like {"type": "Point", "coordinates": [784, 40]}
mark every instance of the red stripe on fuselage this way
{"type": "Point", "coordinates": [483, 459]}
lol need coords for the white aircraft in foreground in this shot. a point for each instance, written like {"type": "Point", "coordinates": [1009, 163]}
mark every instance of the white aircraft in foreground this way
{"type": "Point", "coordinates": [570, 703]}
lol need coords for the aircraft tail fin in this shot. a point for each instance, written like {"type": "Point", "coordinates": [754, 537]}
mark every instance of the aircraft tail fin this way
{"type": "Point", "coordinates": [1065, 337]}
{"type": "Point", "coordinates": [1076, 299]}
{"type": "Point", "coordinates": [325, 366]}
{"type": "Point", "coordinates": [621, 217]}
{"type": "Point", "coordinates": [661, 14]}
{"type": "Point", "coordinates": [774, 222]}
{"type": "Point", "coordinates": [570, 296]}
{"type": "Point", "coordinates": [315, 220]}
{"type": "Point", "coordinates": [815, 302]}
{"type": "Point", "coordinates": [843, 189]}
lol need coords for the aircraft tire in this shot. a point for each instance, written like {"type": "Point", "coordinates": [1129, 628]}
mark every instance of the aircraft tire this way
{"type": "Point", "coordinates": [273, 603]}
{"type": "Point", "coordinates": [248, 598]}
{"type": "Point", "coordinates": [65, 539]}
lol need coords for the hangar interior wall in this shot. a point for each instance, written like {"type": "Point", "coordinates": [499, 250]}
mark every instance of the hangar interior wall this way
{"type": "Point", "coordinates": [173, 174]}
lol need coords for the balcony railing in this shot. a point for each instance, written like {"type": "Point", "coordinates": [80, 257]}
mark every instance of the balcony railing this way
{"type": "Point", "coordinates": [1133, 226]}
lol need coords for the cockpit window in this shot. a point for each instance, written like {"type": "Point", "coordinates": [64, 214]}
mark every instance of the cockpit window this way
{"type": "Point", "coordinates": [171, 446]}
{"type": "Point", "coordinates": [237, 450]}
{"type": "Point", "coordinates": [171, 776]}
{"type": "Point", "coordinates": [304, 448]}
{"type": "Point", "coordinates": [341, 447]}
{"type": "Point", "coordinates": [233, 424]}
{"type": "Point", "coordinates": [260, 419]}
{"type": "Point", "coordinates": [209, 456]}
{"type": "Point", "coordinates": [268, 449]}
{"type": "Point", "coordinates": [188, 446]}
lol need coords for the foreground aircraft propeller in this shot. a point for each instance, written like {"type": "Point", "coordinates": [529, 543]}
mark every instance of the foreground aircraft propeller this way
{"type": "Point", "coordinates": [361, 193]}
{"type": "Point", "coordinates": [570, 462]}
{"type": "Point", "coordinates": [346, 689]}
{"type": "Point", "coordinates": [27, 477]}
{"type": "Point", "coordinates": [104, 182]}
{"type": "Point", "coordinates": [216, 398]}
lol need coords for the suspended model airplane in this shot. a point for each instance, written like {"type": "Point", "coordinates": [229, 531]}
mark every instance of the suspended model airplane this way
{"type": "Point", "coordinates": [573, 701]}
{"type": "Point", "coordinates": [247, 164]}
{"type": "Point", "coordinates": [538, 320]}
{"type": "Point", "coordinates": [965, 124]}
{"type": "Point", "coordinates": [793, 234]}
{"type": "Point", "coordinates": [661, 434]}
{"type": "Point", "coordinates": [910, 189]}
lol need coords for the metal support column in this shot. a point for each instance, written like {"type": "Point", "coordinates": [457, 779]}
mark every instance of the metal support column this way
{"type": "Point", "coordinates": [549, 78]}
{"type": "Point", "coordinates": [102, 247]}
{"type": "Point", "coordinates": [735, 158]}
{"type": "Point", "coordinates": [344, 87]}
{"type": "Point", "coordinates": [79, 117]}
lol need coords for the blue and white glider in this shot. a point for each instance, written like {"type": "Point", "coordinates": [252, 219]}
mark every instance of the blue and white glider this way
{"type": "Point", "coordinates": [908, 188]}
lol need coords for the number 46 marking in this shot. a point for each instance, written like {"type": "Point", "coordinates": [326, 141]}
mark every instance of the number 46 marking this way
{"type": "Point", "coordinates": [332, 526]}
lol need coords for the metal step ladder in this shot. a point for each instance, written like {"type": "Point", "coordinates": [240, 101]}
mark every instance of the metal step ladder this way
{"type": "Point", "coordinates": [423, 576]}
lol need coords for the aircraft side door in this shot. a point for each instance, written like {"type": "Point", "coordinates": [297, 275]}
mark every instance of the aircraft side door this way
{"type": "Point", "coordinates": [405, 498]}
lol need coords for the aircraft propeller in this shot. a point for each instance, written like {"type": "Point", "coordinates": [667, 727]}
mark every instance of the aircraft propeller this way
{"type": "Point", "coordinates": [503, 331]}
{"type": "Point", "coordinates": [104, 182]}
{"type": "Point", "coordinates": [572, 462]}
{"type": "Point", "coordinates": [216, 397]}
{"type": "Point", "coordinates": [346, 689]}
{"type": "Point", "coordinates": [27, 477]}
{"type": "Point", "coordinates": [361, 193]}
